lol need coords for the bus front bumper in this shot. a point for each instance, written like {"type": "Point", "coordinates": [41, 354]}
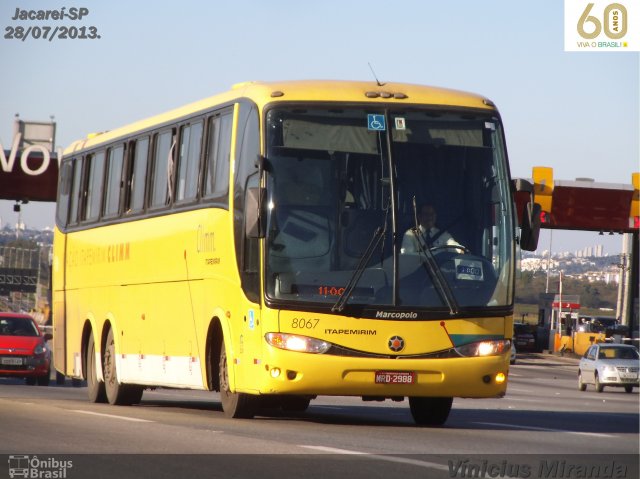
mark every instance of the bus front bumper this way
{"type": "Point", "coordinates": [287, 372]}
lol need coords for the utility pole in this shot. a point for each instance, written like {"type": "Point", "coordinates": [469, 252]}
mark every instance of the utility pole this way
{"type": "Point", "coordinates": [546, 289]}
{"type": "Point", "coordinates": [622, 304]}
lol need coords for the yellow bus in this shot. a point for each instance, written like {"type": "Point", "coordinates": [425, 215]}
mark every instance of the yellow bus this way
{"type": "Point", "coordinates": [271, 243]}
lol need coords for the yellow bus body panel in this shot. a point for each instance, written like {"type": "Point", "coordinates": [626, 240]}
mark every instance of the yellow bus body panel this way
{"type": "Point", "coordinates": [159, 282]}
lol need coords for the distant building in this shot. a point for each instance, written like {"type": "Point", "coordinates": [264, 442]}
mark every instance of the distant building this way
{"type": "Point", "coordinates": [596, 251]}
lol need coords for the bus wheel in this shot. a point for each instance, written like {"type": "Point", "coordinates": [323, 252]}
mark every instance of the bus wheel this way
{"type": "Point", "coordinates": [94, 387]}
{"type": "Point", "coordinates": [117, 394]}
{"type": "Point", "coordinates": [430, 411]}
{"type": "Point", "coordinates": [234, 405]}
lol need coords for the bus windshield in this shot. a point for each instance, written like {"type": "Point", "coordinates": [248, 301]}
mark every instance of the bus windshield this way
{"type": "Point", "coordinates": [426, 189]}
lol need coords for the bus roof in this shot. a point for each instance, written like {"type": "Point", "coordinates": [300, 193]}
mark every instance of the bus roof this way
{"type": "Point", "coordinates": [263, 93]}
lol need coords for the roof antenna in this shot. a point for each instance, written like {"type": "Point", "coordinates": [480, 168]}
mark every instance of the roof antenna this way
{"type": "Point", "coordinates": [374, 75]}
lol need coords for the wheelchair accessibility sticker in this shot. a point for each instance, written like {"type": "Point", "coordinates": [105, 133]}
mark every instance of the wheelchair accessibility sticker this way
{"type": "Point", "coordinates": [376, 122]}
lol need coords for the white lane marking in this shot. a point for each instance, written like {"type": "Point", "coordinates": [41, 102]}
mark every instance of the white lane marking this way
{"type": "Point", "coordinates": [533, 428]}
{"type": "Point", "coordinates": [509, 398]}
{"type": "Point", "coordinates": [401, 460]}
{"type": "Point", "coordinates": [124, 418]}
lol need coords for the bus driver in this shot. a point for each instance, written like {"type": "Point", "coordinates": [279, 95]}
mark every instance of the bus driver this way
{"type": "Point", "coordinates": [431, 236]}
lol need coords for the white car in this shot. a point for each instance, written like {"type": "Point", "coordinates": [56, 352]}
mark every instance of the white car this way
{"type": "Point", "coordinates": [609, 365]}
{"type": "Point", "coordinates": [513, 354]}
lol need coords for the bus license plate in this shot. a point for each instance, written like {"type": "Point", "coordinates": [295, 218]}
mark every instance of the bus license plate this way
{"type": "Point", "coordinates": [395, 377]}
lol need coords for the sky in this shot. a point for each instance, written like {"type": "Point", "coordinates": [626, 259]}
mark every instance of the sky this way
{"type": "Point", "coordinates": [577, 112]}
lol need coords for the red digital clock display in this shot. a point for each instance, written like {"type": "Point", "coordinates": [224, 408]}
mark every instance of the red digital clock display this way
{"type": "Point", "coordinates": [330, 290]}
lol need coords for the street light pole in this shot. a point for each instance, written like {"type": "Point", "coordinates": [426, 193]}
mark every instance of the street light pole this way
{"type": "Point", "coordinates": [546, 289]}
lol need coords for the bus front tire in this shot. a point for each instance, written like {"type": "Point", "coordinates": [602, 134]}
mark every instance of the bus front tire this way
{"type": "Point", "coordinates": [117, 394]}
{"type": "Point", "coordinates": [234, 405]}
{"type": "Point", "coordinates": [427, 411]}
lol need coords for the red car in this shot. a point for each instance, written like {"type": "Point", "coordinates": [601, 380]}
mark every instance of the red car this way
{"type": "Point", "coordinates": [23, 349]}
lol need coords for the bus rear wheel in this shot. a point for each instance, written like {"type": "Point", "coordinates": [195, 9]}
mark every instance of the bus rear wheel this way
{"type": "Point", "coordinates": [234, 405]}
{"type": "Point", "coordinates": [95, 388]}
{"type": "Point", "coordinates": [117, 394]}
{"type": "Point", "coordinates": [430, 411]}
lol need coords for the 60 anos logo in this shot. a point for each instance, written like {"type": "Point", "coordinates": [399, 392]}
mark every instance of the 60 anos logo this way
{"type": "Point", "coordinates": [602, 25]}
{"type": "Point", "coordinates": [613, 21]}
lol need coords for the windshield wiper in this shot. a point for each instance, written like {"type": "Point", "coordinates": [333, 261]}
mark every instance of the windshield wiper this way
{"type": "Point", "coordinates": [430, 264]}
{"type": "Point", "coordinates": [378, 234]}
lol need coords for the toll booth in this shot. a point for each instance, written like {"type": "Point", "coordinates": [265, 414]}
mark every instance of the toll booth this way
{"type": "Point", "coordinates": [587, 205]}
{"type": "Point", "coordinates": [561, 327]}
{"type": "Point", "coordinates": [558, 316]}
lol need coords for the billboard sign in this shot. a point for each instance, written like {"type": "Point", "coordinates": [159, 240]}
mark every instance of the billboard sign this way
{"type": "Point", "coordinates": [23, 280]}
{"type": "Point", "coordinates": [29, 174]}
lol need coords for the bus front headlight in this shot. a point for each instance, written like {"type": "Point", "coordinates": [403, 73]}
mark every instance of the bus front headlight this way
{"type": "Point", "coordinates": [493, 347]}
{"type": "Point", "coordinates": [294, 342]}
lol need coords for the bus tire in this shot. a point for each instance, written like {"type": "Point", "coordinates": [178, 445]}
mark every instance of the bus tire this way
{"type": "Point", "coordinates": [95, 388]}
{"type": "Point", "coordinates": [234, 405]}
{"type": "Point", "coordinates": [117, 394]}
{"type": "Point", "coordinates": [427, 411]}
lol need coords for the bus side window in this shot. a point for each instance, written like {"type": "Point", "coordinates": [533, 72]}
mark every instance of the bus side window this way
{"type": "Point", "coordinates": [113, 182]}
{"type": "Point", "coordinates": [217, 160]}
{"type": "Point", "coordinates": [161, 190]}
{"type": "Point", "coordinates": [64, 193]}
{"type": "Point", "coordinates": [92, 186]}
{"type": "Point", "coordinates": [188, 162]}
{"type": "Point", "coordinates": [75, 191]}
{"type": "Point", "coordinates": [136, 175]}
